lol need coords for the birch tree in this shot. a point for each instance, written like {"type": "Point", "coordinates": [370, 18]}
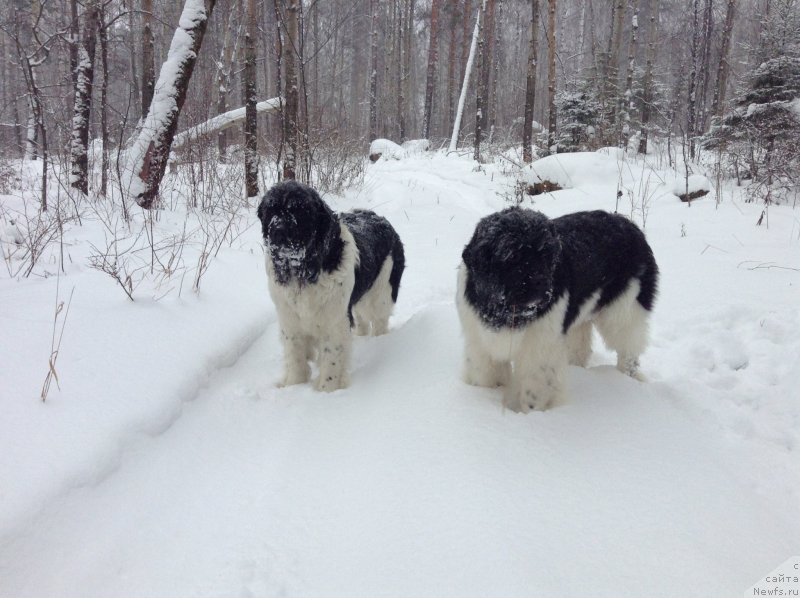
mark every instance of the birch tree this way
{"type": "Point", "coordinates": [151, 148]}
{"type": "Point", "coordinates": [647, 92]}
{"type": "Point", "coordinates": [84, 82]}
{"type": "Point", "coordinates": [465, 85]}
{"type": "Point", "coordinates": [627, 97]}
{"type": "Point", "coordinates": [249, 100]}
{"type": "Point", "coordinates": [291, 94]}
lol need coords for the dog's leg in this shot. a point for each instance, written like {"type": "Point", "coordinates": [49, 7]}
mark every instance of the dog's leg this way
{"type": "Point", "coordinates": [481, 370]}
{"type": "Point", "coordinates": [296, 350]}
{"type": "Point", "coordinates": [579, 344]}
{"type": "Point", "coordinates": [335, 346]}
{"type": "Point", "coordinates": [539, 373]}
{"type": "Point", "coordinates": [376, 305]}
{"type": "Point", "coordinates": [382, 304]}
{"type": "Point", "coordinates": [361, 327]}
{"type": "Point", "coordinates": [624, 327]}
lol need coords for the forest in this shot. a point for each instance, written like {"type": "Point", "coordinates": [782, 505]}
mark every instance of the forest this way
{"type": "Point", "coordinates": [562, 76]}
{"type": "Point", "coordinates": [157, 436]}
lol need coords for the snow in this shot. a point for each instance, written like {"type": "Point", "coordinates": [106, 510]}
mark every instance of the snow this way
{"type": "Point", "coordinates": [416, 146]}
{"type": "Point", "coordinates": [694, 183]}
{"type": "Point", "coordinates": [579, 169]}
{"type": "Point", "coordinates": [10, 233]}
{"type": "Point", "coordinates": [387, 149]}
{"type": "Point", "coordinates": [169, 464]}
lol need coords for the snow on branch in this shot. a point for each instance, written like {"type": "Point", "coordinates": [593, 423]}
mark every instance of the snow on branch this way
{"type": "Point", "coordinates": [151, 148]}
{"type": "Point", "coordinates": [223, 121]}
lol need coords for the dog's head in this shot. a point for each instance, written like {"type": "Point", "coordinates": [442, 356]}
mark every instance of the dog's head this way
{"type": "Point", "coordinates": [511, 261]}
{"type": "Point", "coordinates": [300, 231]}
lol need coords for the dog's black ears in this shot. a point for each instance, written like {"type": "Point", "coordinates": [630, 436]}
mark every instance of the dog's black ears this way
{"type": "Point", "coordinates": [263, 210]}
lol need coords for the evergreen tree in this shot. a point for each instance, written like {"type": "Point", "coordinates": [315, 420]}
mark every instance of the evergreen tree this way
{"type": "Point", "coordinates": [763, 128]}
{"type": "Point", "coordinates": [579, 114]}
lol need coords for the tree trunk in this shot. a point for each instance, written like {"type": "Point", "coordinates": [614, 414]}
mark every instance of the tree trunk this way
{"type": "Point", "coordinates": [647, 92]}
{"type": "Point", "coordinates": [430, 79]}
{"type": "Point", "coordinates": [465, 85]}
{"type": "Point", "coordinates": [530, 85]}
{"type": "Point", "coordinates": [224, 77]}
{"type": "Point", "coordinates": [79, 142]}
{"type": "Point", "coordinates": [148, 57]}
{"type": "Point", "coordinates": [151, 149]}
{"type": "Point", "coordinates": [104, 133]}
{"type": "Point", "coordinates": [304, 149]}
{"type": "Point", "coordinates": [705, 63]}
{"type": "Point", "coordinates": [291, 91]}
{"type": "Point", "coordinates": [278, 61]}
{"type": "Point", "coordinates": [373, 74]}
{"type": "Point", "coordinates": [481, 90]}
{"type": "Point", "coordinates": [551, 74]}
{"type": "Point", "coordinates": [131, 40]}
{"type": "Point", "coordinates": [613, 66]}
{"type": "Point", "coordinates": [628, 104]}
{"type": "Point", "coordinates": [249, 101]}
{"type": "Point", "coordinates": [491, 107]}
{"type": "Point", "coordinates": [222, 122]}
{"type": "Point", "coordinates": [74, 41]}
{"type": "Point", "coordinates": [451, 61]}
{"type": "Point", "coordinates": [718, 103]}
{"type": "Point", "coordinates": [691, 108]}
{"type": "Point", "coordinates": [400, 52]}
{"type": "Point", "coordinates": [486, 69]}
{"type": "Point", "coordinates": [407, 56]}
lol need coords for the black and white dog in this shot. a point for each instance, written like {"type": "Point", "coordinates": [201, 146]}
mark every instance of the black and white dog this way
{"type": "Point", "coordinates": [530, 288]}
{"type": "Point", "coordinates": [326, 273]}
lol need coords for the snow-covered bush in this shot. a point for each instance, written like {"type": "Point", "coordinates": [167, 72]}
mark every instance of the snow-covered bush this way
{"type": "Point", "coordinates": [386, 149]}
{"type": "Point", "coordinates": [691, 187]}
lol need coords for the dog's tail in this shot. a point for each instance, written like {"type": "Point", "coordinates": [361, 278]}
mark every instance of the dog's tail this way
{"type": "Point", "coordinates": [648, 281]}
{"type": "Point", "coordinates": [398, 265]}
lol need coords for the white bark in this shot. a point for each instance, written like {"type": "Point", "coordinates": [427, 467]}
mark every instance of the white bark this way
{"type": "Point", "coordinates": [467, 72]}
{"type": "Point", "coordinates": [222, 122]}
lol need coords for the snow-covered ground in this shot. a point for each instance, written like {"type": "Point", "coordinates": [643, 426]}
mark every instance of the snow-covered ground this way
{"type": "Point", "coordinates": [169, 464]}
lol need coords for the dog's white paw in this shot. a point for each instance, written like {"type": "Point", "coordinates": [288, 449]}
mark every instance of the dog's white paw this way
{"type": "Point", "coordinates": [532, 393]}
{"type": "Point", "coordinates": [630, 367]}
{"type": "Point", "coordinates": [486, 375]}
{"type": "Point", "coordinates": [331, 383]}
{"type": "Point", "coordinates": [295, 376]}
{"type": "Point", "coordinates": [525, 401]}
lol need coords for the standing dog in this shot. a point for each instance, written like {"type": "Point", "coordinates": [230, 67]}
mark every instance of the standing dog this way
{"type": "Point", "coordinates": [326, 273]}
{"type": "Point", "coordinates": [530, 288]}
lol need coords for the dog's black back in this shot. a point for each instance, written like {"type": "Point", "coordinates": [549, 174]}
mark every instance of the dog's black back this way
{"type": "Point", "coordinates": [376, 240]}
{"type": "Point", "coordinates": [520, 263]}
{"type": "Point", "coordinates": [603, 252]}
{"type": "Point", "coordinates": [303, 238]}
